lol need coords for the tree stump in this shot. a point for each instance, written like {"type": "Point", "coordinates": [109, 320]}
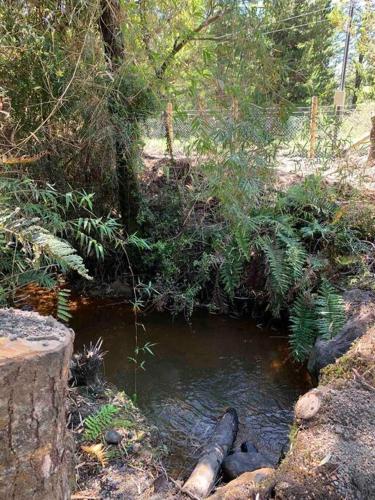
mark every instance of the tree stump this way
{"type": "Point", "coordinates": [308, 405]}
{"type": "Point", "coordinates": [35, 446]}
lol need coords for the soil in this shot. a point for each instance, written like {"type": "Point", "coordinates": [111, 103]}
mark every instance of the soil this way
{"type": "Point", "coordinates": [332, 454]}
{"type": "Point", "coordinates": [131, 470]}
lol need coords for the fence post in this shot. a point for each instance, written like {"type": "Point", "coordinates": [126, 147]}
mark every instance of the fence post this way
{"type": "Point", "coordinates": [235, 111]}
{"type": "Point", "coordinates": [313, 126]}
{"type": "Point", "coordinates": [169, 129]}
{"type": "Point", "coordinates": [371, 153]}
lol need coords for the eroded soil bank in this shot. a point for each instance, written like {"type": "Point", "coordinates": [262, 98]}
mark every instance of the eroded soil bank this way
{"type": "Point", "coordinates": [332, 452]}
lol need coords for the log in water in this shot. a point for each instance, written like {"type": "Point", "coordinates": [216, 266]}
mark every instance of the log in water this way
{"type": "Point", "coordinates": [203, 477]}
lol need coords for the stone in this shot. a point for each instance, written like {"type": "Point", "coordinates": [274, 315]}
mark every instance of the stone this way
{"type": "Point", "coordinates": [243, 486]}
{"type": "Point", "coordinates": [112, 437]}
{"type": "Point", "coordinates": [239, 462]}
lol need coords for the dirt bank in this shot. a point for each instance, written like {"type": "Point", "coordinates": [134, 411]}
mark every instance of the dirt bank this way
{"type": "Point", "coordinates": [119, 456]}
{"type": "Point", "coordinates": [332, 454]}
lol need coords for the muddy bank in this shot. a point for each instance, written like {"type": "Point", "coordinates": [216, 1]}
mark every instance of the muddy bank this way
{"type": "Point", "coordinates": [123, 459]}
{"type": "Point", "coordinates": [332, 450]}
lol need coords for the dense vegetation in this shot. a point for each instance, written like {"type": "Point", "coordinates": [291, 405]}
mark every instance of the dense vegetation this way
{"type": "Point", "coordinates": [78, 81]}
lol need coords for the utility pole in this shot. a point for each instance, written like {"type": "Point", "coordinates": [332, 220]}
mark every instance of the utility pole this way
{"type": "Point", "coordinates": [339, 99]}
{"type": "Point", "coordinates": [347, 42]}
{"type": "Point", "coordinates": [340, 94]}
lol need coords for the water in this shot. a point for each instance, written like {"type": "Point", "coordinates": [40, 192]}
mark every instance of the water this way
{"type": "Point", "coordinates": [196, 372]}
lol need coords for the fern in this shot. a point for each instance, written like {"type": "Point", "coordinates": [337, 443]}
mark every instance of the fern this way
{"type": "Point", "coordinates": [98, 452]}
{"type": "Point", "coordinates": [63, 305]}
{"type": "Point", "coordinates": [230, 272]}
{"type": "Point", "coordinates": [38, 241]}
{"type": "Point", "coordinates": [97, 423]}
{"type": "Point", "coordinates": [330, 311]}
{"type": "Point", "coordinates": [303, 327]}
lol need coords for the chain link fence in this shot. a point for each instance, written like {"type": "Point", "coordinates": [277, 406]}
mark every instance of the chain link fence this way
{"type": "Point", "coordinates": [293, 133]}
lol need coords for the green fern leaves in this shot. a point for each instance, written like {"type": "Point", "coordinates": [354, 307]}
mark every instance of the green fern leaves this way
{"type": "Point", "coordinates": [330, 311]}
{"type": "Point", "coordinates": [97, 423]}
{"type": "Point", "coordinates": [62, 312]}
{"type": "Point", "coordinates": [303, 327]}
{"type": "Point", "coordinates": [230, 273]}
{"type": "Point", "coordinates": [322, 314]}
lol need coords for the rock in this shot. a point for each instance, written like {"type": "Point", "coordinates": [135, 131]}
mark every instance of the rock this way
{"type": "Point", "coordinates": [239, 462]}
{"type": "Point", "coordinates": [308, 405]}
{"type": "Point", "coordinates": [119, 289]}
{"type": "Point", "coordinates": [243, 486]}
{"type": "Point", "coordinates": [112, 437]}
{"type": "Point", "coordinates": [248, 447]}
{"type": "Point", "coordinates": [360, 306]}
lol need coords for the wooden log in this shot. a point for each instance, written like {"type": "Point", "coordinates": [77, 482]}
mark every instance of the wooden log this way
{"type": "Point", "coordinates": [35, 446]}
{"type": "Point", "coordinates": [308, 405]}
{"type": "Point", "coordinates": [203, 477]}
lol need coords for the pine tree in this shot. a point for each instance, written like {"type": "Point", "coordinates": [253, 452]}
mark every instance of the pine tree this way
{"type": "Point", "coordinates": [301, 39]}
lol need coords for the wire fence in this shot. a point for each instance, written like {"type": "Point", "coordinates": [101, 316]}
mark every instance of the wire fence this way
{"type": "Point", "coordinates": [264, 124]}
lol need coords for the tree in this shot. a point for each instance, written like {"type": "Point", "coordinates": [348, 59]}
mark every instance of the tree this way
{"type": "Point", "coordinates": [301, 41]}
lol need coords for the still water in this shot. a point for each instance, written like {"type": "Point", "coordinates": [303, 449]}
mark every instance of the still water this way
{"type": "Point", "coordinates": [197, 371]}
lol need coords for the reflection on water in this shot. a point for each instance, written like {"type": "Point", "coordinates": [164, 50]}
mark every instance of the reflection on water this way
{"type": "Point", "coordinates": [197, 371]}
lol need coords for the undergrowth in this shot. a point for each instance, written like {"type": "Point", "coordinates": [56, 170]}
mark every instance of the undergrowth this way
{"type": "Point", "coordinates": [95, 424]}
{"type": "Point", "coordinates": [46, 235]}
{"type": "Point", "coordinates": [226, 236]}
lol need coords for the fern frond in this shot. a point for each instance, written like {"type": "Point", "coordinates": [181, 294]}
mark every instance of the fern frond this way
{"type": "Point", "coordinates": [63, 305]}
{"type": "Point", "coordinates": [330, 311]}
{"type": "Point", "coordinates": [303, 327]}
{"type": "Point", "coordinates": [231, 270]}
{"type": "Point", "coordinates": [279, 275]}
{"type": "Point", "coordinates": [97, 423]}
{"type": "Point", "coordinates": [98, 452]}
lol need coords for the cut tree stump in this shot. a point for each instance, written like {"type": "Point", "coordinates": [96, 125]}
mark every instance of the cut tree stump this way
{"type": "Point", "coordinates": [203, 477]}
{"type": "Point", "coordinates": [35, 446]}
{"type": "Point", "coordinates": [309, 405]}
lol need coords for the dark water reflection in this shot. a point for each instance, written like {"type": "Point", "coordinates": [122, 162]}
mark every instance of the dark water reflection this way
{"type": "Point", "coordinates": [197, 371]}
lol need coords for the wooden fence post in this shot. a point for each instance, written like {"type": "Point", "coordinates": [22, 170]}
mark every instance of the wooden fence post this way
{"type": "Point", "coordinates": [169, 129]}
{"type": "Point", "coordinates": [235, 110]}
{"type": "Point", "coordinates": [313, 126]}
{"type": "Point", "coordinates": [371, 153]}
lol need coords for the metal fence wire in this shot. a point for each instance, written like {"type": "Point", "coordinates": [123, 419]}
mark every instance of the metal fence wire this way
{"type": "Point", "coordinates": [262, 123]}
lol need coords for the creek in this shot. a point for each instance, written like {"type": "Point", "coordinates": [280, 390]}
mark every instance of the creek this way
{"type": "Point", "coordinates": [196, 371]}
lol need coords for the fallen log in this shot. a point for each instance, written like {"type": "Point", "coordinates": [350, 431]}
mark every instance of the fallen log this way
{"type": "Point", "coordinates": [203, 477]}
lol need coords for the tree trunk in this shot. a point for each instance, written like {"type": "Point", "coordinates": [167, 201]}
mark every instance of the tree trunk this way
{"type": "Point", "coordinates": [203, 477]}
{"type": "Point", "coordinates": [126, 143]}
{"type": "Point", "coordinates": [358, 78]}
{"type": "Point", "coordinates": [35, 446]}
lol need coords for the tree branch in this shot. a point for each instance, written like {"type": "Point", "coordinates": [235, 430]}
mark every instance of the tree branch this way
{"type": "Point", "coordinates": [179, 44]}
